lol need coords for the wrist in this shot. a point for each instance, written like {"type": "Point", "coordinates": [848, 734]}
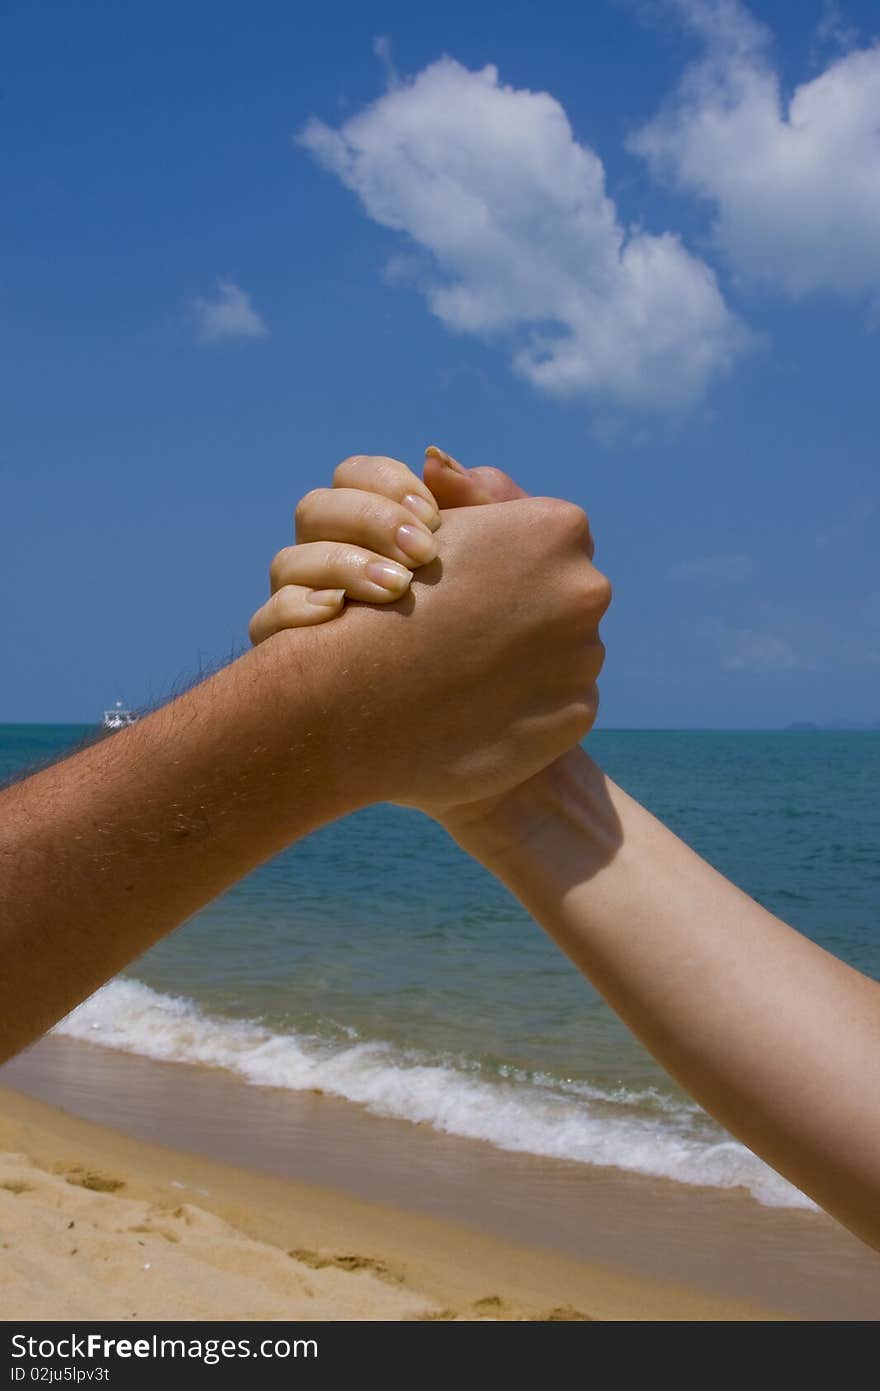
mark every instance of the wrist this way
{"type": "Point", "coordinates": [527, 820]}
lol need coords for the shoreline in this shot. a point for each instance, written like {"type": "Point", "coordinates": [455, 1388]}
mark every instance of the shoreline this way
{"type": "Point", "coordinates": [461, 1214]}
{"type": "Point", "coordinates": [98, 1225]}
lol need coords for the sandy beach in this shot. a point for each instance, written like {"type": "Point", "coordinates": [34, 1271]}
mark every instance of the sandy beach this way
{"type": "Point", "coordinates": [96, 1225]}
{"type": "Point", "coordinates": [327, 1213]}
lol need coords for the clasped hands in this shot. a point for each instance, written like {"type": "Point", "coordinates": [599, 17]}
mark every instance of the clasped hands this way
{"type": "Point", "coordinates": [493, 627]}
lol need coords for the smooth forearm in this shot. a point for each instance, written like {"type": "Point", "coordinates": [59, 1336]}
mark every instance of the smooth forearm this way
{"type": "Point", "coordinates": [775, 1037]}
{"type": "Point", "coordinates": [104, 853]}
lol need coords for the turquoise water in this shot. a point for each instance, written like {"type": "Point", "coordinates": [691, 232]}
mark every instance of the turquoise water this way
{"type": "Point", "coordinates": [376, 962]}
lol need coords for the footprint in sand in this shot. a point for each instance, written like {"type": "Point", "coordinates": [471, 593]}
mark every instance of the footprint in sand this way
{"type": "Point", "coordinates": [90, 1178]}
{"type": "Point", "coordinates": [316, 1261]}
{"type": "Point", "coordinates": [162, 1221]}
{"type": "Point", "coordinates": [491, 1304]}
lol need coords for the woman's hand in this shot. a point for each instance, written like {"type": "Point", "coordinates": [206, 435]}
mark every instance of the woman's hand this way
{"type": "Point", "coordinates": [360, 539]}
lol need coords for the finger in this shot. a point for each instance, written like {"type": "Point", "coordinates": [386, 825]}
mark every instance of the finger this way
{"type": "Point", "coordinates": [365, 519]}
{"type": "Point", "coordinates": [374, 473]}
{"type": "Point", "coordinates": [295, 606]}
{"type": "Point", "coordinates": [455, 486]}
{"type": "Point", "coordinates": [363, 574]}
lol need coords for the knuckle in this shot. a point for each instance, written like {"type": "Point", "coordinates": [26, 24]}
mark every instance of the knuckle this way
{"type": "Point", "coordinates": [307, 505]}
{"type": "Point", "coordinates": [279, 566]}
{"type": "Point", "coordinates": [595, 658]}
{"type": "Point", "coordinates": [566, 519]}
{"type": "Point", "coordinates": [593, 594]}
{"type": "Point", "coordinates": [604, 592]}
{"type": "Point", "coordinates": [376, 474]}
{"type": "Point", "coordinates": [575, 522]}
{"type": "Point", "coordinates": [347, 469]}
{"type": "Point", "coordinates": [285, 603]}
{"type": "Point", "coordinates": [581, 715]}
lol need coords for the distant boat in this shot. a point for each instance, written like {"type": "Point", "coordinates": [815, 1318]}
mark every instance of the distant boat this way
{"type": "Point", "coordinates": [118, 717]}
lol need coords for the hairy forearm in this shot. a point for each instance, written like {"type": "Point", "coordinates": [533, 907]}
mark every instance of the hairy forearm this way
{"type": "Point", "coordinates": [106, 852]}
{"type": "Point", "coordinates": [772, 1035]}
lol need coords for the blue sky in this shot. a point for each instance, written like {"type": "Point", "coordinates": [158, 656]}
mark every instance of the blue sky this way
{"type": "Point", "coordinates": [630, 253]}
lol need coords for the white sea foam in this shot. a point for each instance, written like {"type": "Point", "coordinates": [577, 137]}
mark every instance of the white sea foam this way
{"type": "Point", "coordinates": [644, 1132]}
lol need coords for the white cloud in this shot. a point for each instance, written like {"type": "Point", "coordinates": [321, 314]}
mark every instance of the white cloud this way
{"type": "Point", "coordinates": [523, 244]}
{"type": "Point", "coordinates": [228, 315]}
{"type": "Point", "coordinates": [762, 652]}
{"type": "Point", "coordinates": [727, 569]}
{"type": "Point", "coordinates": [795, 182]}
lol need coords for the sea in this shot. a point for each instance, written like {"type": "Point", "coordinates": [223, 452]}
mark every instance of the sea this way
{"type": "Point", "coordinates": [376, 963]}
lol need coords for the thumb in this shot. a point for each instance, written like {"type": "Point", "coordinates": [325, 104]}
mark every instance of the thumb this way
{"type": "Point", "coordinates": [455, 486]}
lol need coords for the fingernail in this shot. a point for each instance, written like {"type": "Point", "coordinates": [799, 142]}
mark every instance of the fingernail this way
{"type": "Point", "coordinates": [417, 543]}
{"type": "Point", "coordinates": [422, 509]}
{"type": "Point", "coordinates": [387, 575]}
{"type": "Point", "coordinates": [445, 459]}
{"type": "Point", "coordinates": [329, 597]}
